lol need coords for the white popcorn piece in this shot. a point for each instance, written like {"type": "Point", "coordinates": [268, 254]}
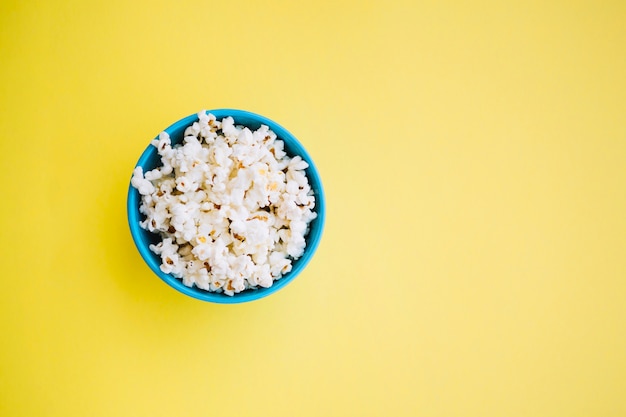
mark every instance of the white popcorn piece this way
{"type": "Point", "coordinates": [231, 132]}
{"type": "Point", "coordinates": [279, 264]}
{"type": "Point", "coordinates": [142, 185]}
{"type": "Point", "coordinates": [153, 175]}
{"type": "Point", "coordinates": [185, 184]}
{"type": "Point", "coordinates": [245, 137]}
{"type": "Point", "coordinates": [231, 207]}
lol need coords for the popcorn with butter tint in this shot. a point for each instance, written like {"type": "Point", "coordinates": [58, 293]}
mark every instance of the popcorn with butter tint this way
{"type": "Point", "coordinates": [231, 207]}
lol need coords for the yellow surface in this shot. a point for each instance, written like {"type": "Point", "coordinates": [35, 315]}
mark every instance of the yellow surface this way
{"type": "Point", "coordinates": [474, 161]}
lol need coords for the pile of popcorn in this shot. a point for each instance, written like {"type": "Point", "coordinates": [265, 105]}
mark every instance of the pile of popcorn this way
{"type": "Point", "coordinates": [231, 207]}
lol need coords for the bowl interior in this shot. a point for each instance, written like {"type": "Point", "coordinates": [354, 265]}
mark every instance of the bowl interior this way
{"type": "Point", "coordinates": [150, 159]}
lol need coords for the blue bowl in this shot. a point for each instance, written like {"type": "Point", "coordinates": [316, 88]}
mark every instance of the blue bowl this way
{"type": "Point", "coordinates": [150, 159]}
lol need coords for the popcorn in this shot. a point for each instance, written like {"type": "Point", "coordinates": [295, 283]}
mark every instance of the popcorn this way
{"type": "Point", "coordinates": [232, 208]}
{"type": "Point", "coordinates": [142, 185]}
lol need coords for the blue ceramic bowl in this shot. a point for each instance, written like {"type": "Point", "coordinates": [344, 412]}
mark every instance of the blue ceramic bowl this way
{"type": "Point", "coordinates": [150, 159]}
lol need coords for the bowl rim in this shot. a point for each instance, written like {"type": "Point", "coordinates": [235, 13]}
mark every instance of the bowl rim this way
{"type": "Point", "coordinates": [313, 237]}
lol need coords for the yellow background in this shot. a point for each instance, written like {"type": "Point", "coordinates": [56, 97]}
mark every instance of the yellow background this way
{"type": "Point", "coordinates": [474, 161]}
